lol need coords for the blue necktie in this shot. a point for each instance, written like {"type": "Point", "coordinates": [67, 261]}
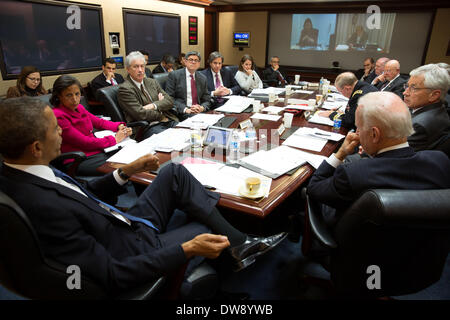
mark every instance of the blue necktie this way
{"type": "Point", "coordinates": [69, 179]}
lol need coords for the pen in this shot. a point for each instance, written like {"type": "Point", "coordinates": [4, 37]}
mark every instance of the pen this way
{"type": "Point", "coordinates": [322, 134]}
{"type": "Point", "coordinates": [209, 187]}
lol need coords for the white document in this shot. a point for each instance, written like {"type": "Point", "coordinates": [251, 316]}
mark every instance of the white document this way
{"type": "Point", "coordinates": [318, 133]}
{"type": "Point", "coordinates": [203, 120]}
{"type": "Point", "coordinates": [333, 105]}
{"type": "Point", "coordinates": [130, 152]}
{"type": "Point", "coordinates": [273, 109]}
{"type": "Point", "coordinates": [273, 163]}
{"type": "Point", "coordinates": [305, 142]}
{"type": "Point", "coordinates": [304, 91]}
{"type": "Point", "coordinates": [105, 133]}
{"type": "Point", "coordinates": [299, 107]}
{"type": "Point", "coordinates": [264, 116]}
{"type": "Point", "coordinates": [313, 159]}
{"type": "Point", "coordinates": [236, 104]}
{"type": "Point", "coordinates": [321, 120]}
{"type": "Point", "coordinates": [297, 101]}
{"type": "Point", "coordinates": [169, 140]}
{"type": "Point", "coordinates": [266, 91]}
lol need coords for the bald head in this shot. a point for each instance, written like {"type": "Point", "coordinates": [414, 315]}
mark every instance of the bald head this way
{"type": "Point", "coordinates": [383, 120]}
{"type": "Point", "coordinates": [391, 69]}
{"type": "Point", "coordinates": [379, 65]}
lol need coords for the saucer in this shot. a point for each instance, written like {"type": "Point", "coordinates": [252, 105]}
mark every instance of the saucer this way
{"type": "Point", "coordinates": [245, 194]}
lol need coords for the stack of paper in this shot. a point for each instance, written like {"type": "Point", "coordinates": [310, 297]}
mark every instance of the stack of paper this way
{"type": "Point", "coordinates": [203, 120]}
{"type": "Point", "coordinates": [321, 120]}
{"type": "Point", "coordinates": [266, 91]}
{"type": "Point", "coordinates": [130, 152]}
{"type": "Point", "coordinates": [273, 110]}
{"type": "Point", "coordinates": [169, 140]}
{"type": "Point", "coordinates": [236, 104]}
{"type": "Point", "coordinates": [273, 163]}
{"type": "Point", "coordinates": [264, 116]}
{"type": "Point", "coordinates": [333, 105]}
{"type": "Point", "coordinates": [305, 141]}
{"type": "Point", "coordinates": [318, 133]}
{"type": "Point", "coordinates": [121, 144]}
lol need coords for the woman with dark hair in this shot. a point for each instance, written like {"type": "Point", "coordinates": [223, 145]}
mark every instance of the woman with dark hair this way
{"type": "Point", "coordinates": [29, 83]}
{"type": "Point", "coordinates": [77, 126]}
{"type": "Point", "coordinates": [246, 76]}
{"type": "Point", "coordinates": [309, 35]}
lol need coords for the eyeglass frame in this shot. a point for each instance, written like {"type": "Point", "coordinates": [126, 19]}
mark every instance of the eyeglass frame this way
{"type": "Point", "coordinates": [34, 79]}
{"type": "Point", "coordinates": [193, 60]}
{"type": "Point", "coordinates": [412, 88]}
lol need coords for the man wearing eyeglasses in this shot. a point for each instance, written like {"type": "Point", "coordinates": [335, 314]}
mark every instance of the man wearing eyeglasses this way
{"type": "Point", "coordinates": [424, 95]}
{"type": "Point", "coordinates": [393, 80]}
{"type": "Point", "coordinates": [273, 75]}
{"type": "Point", "coordinates": [369, 70]}
{"type": "Point", "coordinates": [188, 87]}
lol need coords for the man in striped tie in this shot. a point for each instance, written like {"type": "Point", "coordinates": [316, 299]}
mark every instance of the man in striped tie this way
{"type": "Point", "coordinates": [76, 226]}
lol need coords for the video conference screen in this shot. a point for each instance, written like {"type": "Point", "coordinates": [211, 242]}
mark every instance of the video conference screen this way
{"type": "Point", "coordinates": [155, 33]}
{"type": "Point", "coordinates": [51, 37]}
{"type": "Point", "coordinates": [342, 32]}
{"type": "Point", "coordinates": [319, 39]}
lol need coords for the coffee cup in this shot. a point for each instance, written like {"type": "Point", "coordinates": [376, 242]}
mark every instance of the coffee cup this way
{"type": "Point", "coordinates": [288, 90]}
{"type": "Point", "coordinates": [297, 79]}
{"type": "Point", "coordinates": [256, 105]}
{"type": "Point", "coordinates": [288, 119]}
{"type": "Point", "coordinates": [252, 185]}
{"type": "Point", "coordinates": [271, 97]}
{"type": "Point", "coordinates": [318, 98]}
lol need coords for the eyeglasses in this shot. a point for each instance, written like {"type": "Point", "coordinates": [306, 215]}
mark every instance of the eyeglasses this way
{"type": "Point", "coordinates": [34, 79]}
{"type": "Point", "coordinates": [413, 88]}
{"type": "Point", "coordinates": [193, 60]}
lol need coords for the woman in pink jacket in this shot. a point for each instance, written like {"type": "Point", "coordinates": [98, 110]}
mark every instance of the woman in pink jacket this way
{"type": "Point", "coordinates": [77, 125]}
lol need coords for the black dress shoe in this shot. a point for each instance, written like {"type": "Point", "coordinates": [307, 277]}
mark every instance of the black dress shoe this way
{"type": "Point", "coordinates": [246, 253]}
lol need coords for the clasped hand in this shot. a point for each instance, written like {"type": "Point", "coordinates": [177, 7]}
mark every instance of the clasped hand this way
{"type": "Point", "coordinates": [122, 132]}
{"type": "Point", "coordinates": [348, 146]}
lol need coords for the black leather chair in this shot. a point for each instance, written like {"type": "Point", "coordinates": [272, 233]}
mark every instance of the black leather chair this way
{"type": "Point", "coordinates": [162, 79]}
{"type": "Point", "coordinates": [444, 145]}
{"type": "Point", "coordinates": [108, 96]}
{"type": "Point", "coordinates": [406, 233]}
{"type": "Point", "coordinates": [25, 271]}
{"type": "Point", "coordinates": [232, 68]}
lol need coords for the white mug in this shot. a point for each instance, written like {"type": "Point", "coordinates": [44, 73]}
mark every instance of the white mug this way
{"type": "Point", "coordinates": [297, 79]}
{"type": "Point", "coordinates": [288, 119]}
{"type": "Point", "coordinates": [256, 105]}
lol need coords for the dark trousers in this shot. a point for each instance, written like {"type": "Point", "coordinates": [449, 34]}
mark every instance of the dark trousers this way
{"type": "Point", "coordinates": [158, 128]}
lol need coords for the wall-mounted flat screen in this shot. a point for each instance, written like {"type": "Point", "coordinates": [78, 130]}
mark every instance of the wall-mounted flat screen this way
{"type": "Point", "coordinates": [54, 37]}
{"type": "Point", "coordinates": [241, 39]}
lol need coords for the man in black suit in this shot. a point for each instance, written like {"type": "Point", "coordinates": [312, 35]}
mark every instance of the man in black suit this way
{"type": "Point", "coordinates": [384, 123]}
{"type": "Point", "coordinates": [379, 71]}
{"type": "Point", "coordinates": [108, 77]}
{"type": "Point", "coordinates": [220, 81]}
{"type": "Point", "coordinates": [273, 75]}
{"type": "Point", "coordinates": [188, 88]}
{"type": "Point", "coordinates": [166, 65]}
{"type": "Point", "coordinates": [393, 80]}
{"type": "Point", "coordinates": [349, 86]}
{"type": "Point", "coordinates": [425, 95]}
{"type": "Point", "coordinates": [369, 70]}
{"type": "Point", "coordinates": [116, 250]}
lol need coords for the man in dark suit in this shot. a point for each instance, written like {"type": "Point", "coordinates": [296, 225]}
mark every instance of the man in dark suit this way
{"type": "Point", "coordinates": [384, 123]}
{"type": "Point", "coordinates": [393, 80]}
{"type": "Point", "coordinates": [220, 81]}
{"type": "Point", "coordinates": [108, 77]}
{"type": "Point", "coordinates": [349, 86]}
{"type": "Point", "coordinates": [273, 75]}
{"type": "Point", "coordinates": [188, 88]}
{"type": "Point", "coordinates": [369, 70]}
{"type": "Point", "coordinates": [424, 95]}
{"type": "Point", "coordinates": [143, 98]}
{"type": "Point", "coordinates": [379, 71]}
{"type": "Point", "coordinates": [116, 250]}
{"type": "Point", "coordinates": [166, 65]}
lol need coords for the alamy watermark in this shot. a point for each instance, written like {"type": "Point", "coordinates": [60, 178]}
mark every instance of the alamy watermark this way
{"type": "Point", "coordinates": [74, 20]}
{"type": "Point", "coordinates": [374, 20]}
{"type": "Point", "coordinates": [74, 280]}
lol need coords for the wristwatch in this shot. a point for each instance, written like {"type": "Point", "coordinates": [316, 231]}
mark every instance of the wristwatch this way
{"type": "Point", "coordinates": [122, 174]}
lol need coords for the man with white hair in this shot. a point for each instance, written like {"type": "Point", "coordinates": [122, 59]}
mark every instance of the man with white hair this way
{"type": "Point", "coordinates": [379, 71]}
{"type": "Point", "coordinates": [393, 80]}
{"type": "Point", "coordinates": [384, 123]}
{"type": "Point", "coordinates": [142, 98]}
{"type": "Point", "coordinates": [425, 94]}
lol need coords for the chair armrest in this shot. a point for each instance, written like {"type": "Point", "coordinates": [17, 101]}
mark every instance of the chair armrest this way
{"type": "Point", "coordinates": [317, 223]}
{"type": "Point", "coordinates": [143, 292]}
{"type": "Point", "coordinates": [77, 156]}
{"type": "Point", "coordinates": [141, 123]}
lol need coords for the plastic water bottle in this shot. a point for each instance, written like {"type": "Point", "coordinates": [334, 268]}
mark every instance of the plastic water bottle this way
{"type": "Point", "coordinates": [196, 137]}
{"type": "Point", "coordinates": [233, 157]}
{"type": "Point", "coordinates": [320, 84]}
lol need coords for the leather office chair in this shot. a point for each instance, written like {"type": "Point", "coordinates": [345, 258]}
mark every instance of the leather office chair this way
{"type": "Point", "coordinates": [406, 233]}
{"type": "Point", "coordinates": [108, 96]}
{"type": "Point", "coordinates": [25, 271]}
{"type": "Point", "coordinates": [233, 69]}
{"type": "Point", "coordinates": [444, 145]}
{"type": "Point", "coordinates": [162, 79]}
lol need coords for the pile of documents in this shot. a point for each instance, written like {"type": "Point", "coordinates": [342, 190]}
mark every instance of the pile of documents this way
{"type": "Point", "coordinates": [311, 138]}
{"type": "Point", "coordinates": [201, 120]}
{"type": "Point", "coordinates": [121, 144]}
{"type": "Point", "coordinates": [235, 104]}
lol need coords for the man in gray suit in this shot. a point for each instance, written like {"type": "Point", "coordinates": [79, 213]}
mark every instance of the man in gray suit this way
{"type": "Point", "coordinates": [393, 80]}
{"type": "Point", "coordinates": [424, 95]}
{"type": "Point", "coordinates": [188, 87]}
{"type": "Point", "coordinates": [142, 98]}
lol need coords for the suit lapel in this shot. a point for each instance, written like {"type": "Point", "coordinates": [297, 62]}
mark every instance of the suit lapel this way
{"type": "Point", "coordinates": [397, 153]}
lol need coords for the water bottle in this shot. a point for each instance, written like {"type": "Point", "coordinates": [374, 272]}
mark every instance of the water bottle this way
{"type": "Point", "coordinates": [234, 147]}
{"type": "Point", "coordinates": [320, 84]}
{"type": "Point", "coordinates": [337, 124]}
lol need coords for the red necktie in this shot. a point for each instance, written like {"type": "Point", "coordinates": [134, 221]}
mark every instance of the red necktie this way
{"type": "Point", "coordinates": [193, 91]}
{"type": "Point", "coordinates": [217, 81]}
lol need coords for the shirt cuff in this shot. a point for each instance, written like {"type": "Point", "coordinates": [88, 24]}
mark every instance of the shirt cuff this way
{"type": "Point", "coordinates": [333, 161]}
{"type": "Point", "coordinates": [119, 180]}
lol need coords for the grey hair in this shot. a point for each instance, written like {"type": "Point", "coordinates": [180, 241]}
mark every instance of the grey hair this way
{"type": "Point", "coordinates": [445, 66]}
{"type": "Point", "coordinates": [214, 55]}
{"type": "Point", "coordinates": [375, 109]}
{"type": "Point", "coordinates": [345, 79]}
{"type": "Point", "coordinates": [135, 55]}
{"type": "Point", "coordinates": [193, 53]}
{"type": "Point", "coordinates": [435, 78]}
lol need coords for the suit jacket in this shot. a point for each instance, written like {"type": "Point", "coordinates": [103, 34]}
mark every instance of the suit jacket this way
{"type": "Point", "coordinates": [395, 86]}
{"type": "Point", "coordinates": [431, 123]}
{"type": "Point", "coordinates": [396, 169]}
{"type": "Point", "coordinates": [370, 77]}
{"type": "Point", "coordinates": [227, 81]}
{"type": "Point", "coordinates": [131, 100]}
{"type": "Point", "coordinates": [159, 69]}
{"type": "Point", "coordinates": [271, 76]}
{"type": "Point", "coordinates": [75, 230]}
{"type": "Point", "coordinates": [313, 34]}
{"type": "Point", "coordinates": [148, 73]}
{"type": "Point", "coordinates": [176, 88]}
{"type": "Point", "coordinates": [100, 82]}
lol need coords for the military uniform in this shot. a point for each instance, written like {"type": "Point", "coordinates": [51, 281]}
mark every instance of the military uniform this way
{"type": "Point", "coordinates": [348, 118]}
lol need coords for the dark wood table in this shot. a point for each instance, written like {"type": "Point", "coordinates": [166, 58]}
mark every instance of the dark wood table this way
{"type": "Point", "coordinates": [281, 187]}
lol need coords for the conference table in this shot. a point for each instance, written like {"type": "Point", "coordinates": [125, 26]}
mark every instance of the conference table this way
{"type": "Point", "coordinates": [281, 187]}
